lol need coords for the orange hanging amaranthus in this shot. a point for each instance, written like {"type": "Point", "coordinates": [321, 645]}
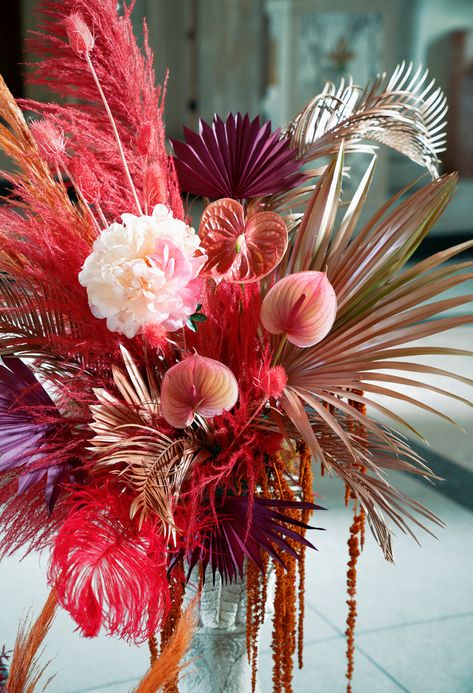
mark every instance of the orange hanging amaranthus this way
{"type": "Point", "coordinates": [288, 617]}
{"type": "Point", "coordinates": [355, 545]}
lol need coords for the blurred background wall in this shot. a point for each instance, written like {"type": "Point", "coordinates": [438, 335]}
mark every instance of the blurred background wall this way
{"type": "Point", "coordinates": [272, 56]}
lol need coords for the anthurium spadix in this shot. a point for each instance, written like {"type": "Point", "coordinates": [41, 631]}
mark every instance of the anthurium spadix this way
{"type": "Point", "coordinates": [197, 385]}
{"type": "Point", "coordinates": [302, 307]}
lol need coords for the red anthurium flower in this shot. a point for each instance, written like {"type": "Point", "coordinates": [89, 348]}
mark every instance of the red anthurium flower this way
{"type": "Point", "coordinates": [241, 249]}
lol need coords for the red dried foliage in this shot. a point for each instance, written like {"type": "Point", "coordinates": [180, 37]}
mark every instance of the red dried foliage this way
{"type": "Point", "coordinates": [240, 449]}
{"type": "Point", "coordinates": [106, 571]}
{"type": "Point", "coordinates": [238, 345]}
{"type": "Point", "coordinates": [26, 523]}
{"type": "Point", "coordinates": [127, 78]}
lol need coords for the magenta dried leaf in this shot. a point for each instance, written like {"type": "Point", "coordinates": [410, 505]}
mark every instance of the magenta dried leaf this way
{"type": "Point", "coordinates": [236, 158]}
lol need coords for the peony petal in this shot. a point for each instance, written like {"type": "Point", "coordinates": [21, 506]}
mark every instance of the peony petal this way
{"type": "Point", "coordinates": [198, 385]}
{"type": "Point", "coordinates": [241, 250]}
{"type": "Point", "coordinates": [302, 306]}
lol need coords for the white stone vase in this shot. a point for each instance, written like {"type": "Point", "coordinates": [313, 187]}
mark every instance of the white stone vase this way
{"type": "Point", "coordinates": [217, 658]}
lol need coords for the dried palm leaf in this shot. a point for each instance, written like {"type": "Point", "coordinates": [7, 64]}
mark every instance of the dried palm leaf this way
{"type": "Point", "coordinates": [383, 304]}
{"type": "Point", "coordinates": [405, 112]}
{"type": "Point", "coordinates": [25, 671]}
{"type": "Point", "coordinates": [373, 453]}
{"type": "Point", "coordinates": [128, 441]}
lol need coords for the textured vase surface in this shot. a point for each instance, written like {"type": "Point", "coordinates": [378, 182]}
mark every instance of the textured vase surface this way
{"type": "Point", "coordinates": [217, 659]}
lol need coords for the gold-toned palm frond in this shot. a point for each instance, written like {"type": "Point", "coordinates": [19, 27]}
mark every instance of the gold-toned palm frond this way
{"type": "Point", "coordinates": [129, 442]}
{"type": "Point", "coordinates": [405, 112]}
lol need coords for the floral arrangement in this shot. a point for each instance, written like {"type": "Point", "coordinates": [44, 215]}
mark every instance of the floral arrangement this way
{"type": "Point", "coordinates": [166, 394]}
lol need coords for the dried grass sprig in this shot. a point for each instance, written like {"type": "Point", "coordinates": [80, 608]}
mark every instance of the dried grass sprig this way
{"type": "Point", "coordinates": [167, 666]}
{"type": "Point", "coordinates": [25, 671]}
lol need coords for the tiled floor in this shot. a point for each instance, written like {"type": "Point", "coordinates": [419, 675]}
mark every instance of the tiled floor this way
{"type": "Point", "coordinates": [415, 625]}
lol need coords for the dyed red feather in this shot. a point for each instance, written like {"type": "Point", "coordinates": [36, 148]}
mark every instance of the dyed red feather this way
{"type": "Point", "coordinates": [106, 571]}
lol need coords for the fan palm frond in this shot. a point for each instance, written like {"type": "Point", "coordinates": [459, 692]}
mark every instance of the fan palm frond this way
{"type": "Point", "coordinates": [385, 305]}
{"type": "Point", "coordinates": [385, 506]}
{"type": "Point", "coordinates": [362, 457]}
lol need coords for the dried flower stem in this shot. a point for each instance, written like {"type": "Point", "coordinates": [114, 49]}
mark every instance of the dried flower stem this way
{"type": "Point", "coordinates": [279, 351]}
{"type": "Point", "coordinates": [115, 131]}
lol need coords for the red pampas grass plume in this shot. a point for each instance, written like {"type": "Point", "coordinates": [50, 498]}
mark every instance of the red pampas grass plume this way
{"type": "Point", "coordinates": [50, 140]}
{"type": "Point", "coordinates": [79, 35]}
{"type": "Point", "coordinates": [82, 46]}
{"type": "Point", "coordinates": [106, 572]}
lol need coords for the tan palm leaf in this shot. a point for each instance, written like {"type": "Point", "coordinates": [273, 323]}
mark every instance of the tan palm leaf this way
{"type": "Point", "coordinates": [405, 112]}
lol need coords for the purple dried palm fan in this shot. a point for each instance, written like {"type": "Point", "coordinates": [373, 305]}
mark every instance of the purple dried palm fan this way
{"type": "Point", "coordinates": [231, 538]}
{"type": "Point", "coordinates": [28, 417]}
{"type": "Point", "coordinates": [236, 158]}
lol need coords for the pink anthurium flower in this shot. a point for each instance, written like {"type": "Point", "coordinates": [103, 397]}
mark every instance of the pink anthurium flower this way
{"type": "Point", "coordinates": [301, 306]}
{"type": "Point", "coordinates": [241, 247]}
{"type": "Point", "coordinates": [197, 385]}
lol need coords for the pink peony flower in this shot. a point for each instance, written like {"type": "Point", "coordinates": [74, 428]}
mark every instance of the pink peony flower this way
{"type": "Point", "coordinates": [197, 385]}
{"type": "Point", "coordinates": [301, 306]}
{"type": "Point", "coordinates": [144, 272]}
